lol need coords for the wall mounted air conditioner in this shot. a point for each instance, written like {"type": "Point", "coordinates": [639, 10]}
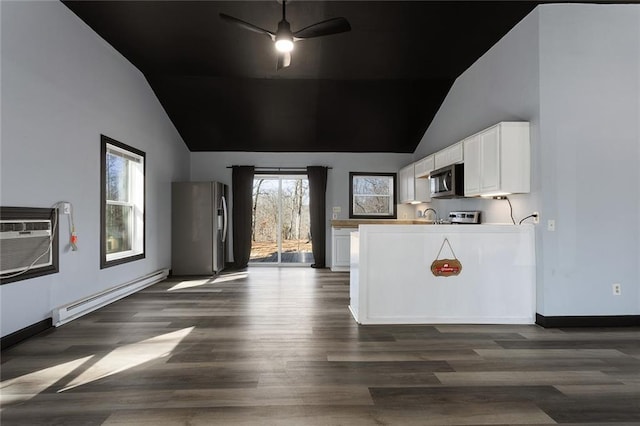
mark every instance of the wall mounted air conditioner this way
{"type": "Point", "coordinates": [23, 242]}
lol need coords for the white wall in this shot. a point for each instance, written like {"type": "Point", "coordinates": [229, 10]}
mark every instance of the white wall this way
{"type": "Point", "coordinates": [589, 110]}
{"type": "Point", "coordinates": [63, 86]}
{"type": "Point", "coordinates": [572, 71]}
{"type": "Point", "coordinates": [213, 166]}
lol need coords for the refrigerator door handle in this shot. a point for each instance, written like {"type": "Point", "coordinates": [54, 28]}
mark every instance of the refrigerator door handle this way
{"type": "Point", "coordinates": [224, 213]}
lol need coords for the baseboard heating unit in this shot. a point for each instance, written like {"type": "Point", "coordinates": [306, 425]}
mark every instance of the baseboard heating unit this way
{"type": "Point", "coordinates": [73, 310]}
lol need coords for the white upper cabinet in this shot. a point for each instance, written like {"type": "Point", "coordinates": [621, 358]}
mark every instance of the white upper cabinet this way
{"type": "Point", "coordinates": [497, 161]}
{"type": "Point", "coordinates": [450, 155]}
{"type": "Point", "coordinates": [472, 165]}
{"type": "Point", "coordinates": [424, 167]}
{"type": "Point", "coordinates": [410, 188]}
{"type": "Point", "coordinates": [406, 184]}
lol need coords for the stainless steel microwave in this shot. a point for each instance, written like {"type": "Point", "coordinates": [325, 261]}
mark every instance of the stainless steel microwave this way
{"type": "Point", "coordinates": [447, 182]}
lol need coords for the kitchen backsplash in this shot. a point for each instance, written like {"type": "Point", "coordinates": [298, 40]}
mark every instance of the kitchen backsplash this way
{"type": "Point", "coordinates": [493, 211]}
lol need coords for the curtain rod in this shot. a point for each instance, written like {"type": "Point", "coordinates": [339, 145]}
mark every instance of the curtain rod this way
{"type": "Point", "coordinates": [280, 168]}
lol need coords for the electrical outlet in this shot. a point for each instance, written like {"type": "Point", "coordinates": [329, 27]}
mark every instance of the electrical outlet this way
{"type": "Point", "coordinates": [551, 225]}
{"type": "Point", "coordinates": [66, 208]}
{"type": "Point", "coordinates": [617, 289]}
{"type": "Point", "coordinates": [536, 217]}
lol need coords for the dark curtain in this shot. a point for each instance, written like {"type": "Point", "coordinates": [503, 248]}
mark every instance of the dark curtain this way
{"type": "Point", "coordinates": [318, 213]}
{"type": "Point", "coordinates": [242, 187]}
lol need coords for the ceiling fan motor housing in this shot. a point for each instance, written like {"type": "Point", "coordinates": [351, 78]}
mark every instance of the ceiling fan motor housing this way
{"type": "Point", "coordinates": [284, 37]}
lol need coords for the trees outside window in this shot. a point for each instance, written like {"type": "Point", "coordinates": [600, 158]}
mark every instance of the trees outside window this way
{"type": "Point", "coordinates": [372, 195]}
{"type": "Point", "coordinates": [280, 226]}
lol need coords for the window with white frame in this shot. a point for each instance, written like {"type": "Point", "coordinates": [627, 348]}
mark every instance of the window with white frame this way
{"type": "Point", "coordinates": [122, 212]}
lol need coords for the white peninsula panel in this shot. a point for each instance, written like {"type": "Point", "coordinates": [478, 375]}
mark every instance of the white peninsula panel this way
{"type": "Point", "coordinates": [392, 283]}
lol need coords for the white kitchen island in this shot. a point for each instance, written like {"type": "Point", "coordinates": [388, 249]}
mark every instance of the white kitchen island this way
{"type": "Point", "coordinates": [392, 283]}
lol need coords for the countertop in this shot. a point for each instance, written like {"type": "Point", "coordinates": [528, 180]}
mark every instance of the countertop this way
{"type": "Point", "coordinates": [354, 223]}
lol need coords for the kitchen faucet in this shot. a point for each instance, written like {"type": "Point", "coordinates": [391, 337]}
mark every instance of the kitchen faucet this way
{"type": "Point", "coordinates": [435, 214]}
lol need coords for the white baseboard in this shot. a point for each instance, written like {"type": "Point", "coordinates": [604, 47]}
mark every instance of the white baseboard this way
{"type": "Point", "coordinates": [63, 314]}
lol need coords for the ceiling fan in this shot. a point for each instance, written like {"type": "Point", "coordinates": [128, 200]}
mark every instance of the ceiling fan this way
{"type": "Point", "coordinates": [284, 37]}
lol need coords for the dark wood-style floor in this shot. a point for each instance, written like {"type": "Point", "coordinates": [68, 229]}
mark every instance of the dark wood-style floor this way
{"type": "Point", "coordinates": [274, 346]}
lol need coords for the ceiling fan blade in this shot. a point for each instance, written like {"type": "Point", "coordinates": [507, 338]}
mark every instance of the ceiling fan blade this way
{"type": "Point", "coordinates": [328, 27]}
{"type": "Point", "coordinates": [247, 26]}
{"type": "Point", "coordinates": [284, 60]}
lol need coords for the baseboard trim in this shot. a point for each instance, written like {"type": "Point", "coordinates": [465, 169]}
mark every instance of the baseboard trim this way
{"type": "Point", "coordinates": [30, 331]}
{"type": "Point", "coordinates": [588, 321]}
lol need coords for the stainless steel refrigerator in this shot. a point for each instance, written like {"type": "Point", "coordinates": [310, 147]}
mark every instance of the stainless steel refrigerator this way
{"type": "Point", "coordinates": [199, 220]}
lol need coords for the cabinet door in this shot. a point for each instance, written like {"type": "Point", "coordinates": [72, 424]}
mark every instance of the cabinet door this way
{"type": "Point", "coordinates": [411, 188]}
{"type": "Point", "coordinates": [423, 189]}
{"type": "Point", "coordinates": [402, 186]}
{"type": "Point", "coordinates": [472, 165]}
{"type": "Point", "coordinates": [450, 155]}
{"type": "Point", "coordinates": [490, 160]}
{"type": "Point", "coordinates": [441, 159]}
{"type": "Point", "coordinates": [515, 157]}
{"type": "Point", "coordinates": [456, 153]}
{"type": "Point", "coordinates": [406, 184]}
{"type": "Point", "coordinates": [424, 167]}
{"type": "Point", "coordinates": [341, 249]}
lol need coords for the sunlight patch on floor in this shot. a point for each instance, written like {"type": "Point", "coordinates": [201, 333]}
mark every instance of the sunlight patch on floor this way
{"type": "Point", "coordinates": [25, 387]}
{"type": "Point", "coordinates": [130, 356]}
{"type": "Point", "coordinates": [186, 284]}
{"type": "Point", "coordinates": [231, 277]}
{"type": "Point", "coordinates": [182, 285]}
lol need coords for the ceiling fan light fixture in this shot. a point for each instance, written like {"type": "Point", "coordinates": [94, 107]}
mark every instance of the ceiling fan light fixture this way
{"type": "Point", "coordinates": [284, 36]}
{"type": "Point", "coordinates": [284, 45]}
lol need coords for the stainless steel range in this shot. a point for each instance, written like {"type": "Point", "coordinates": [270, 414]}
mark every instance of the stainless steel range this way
{"type": "Point", "coordinates": [466, 217]}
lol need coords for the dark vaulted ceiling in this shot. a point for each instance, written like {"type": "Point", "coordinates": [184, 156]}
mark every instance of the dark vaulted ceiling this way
{"type": "Point", "coordinates": [373, 89]}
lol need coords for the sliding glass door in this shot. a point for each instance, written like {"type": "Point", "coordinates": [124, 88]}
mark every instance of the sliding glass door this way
{"type": "Point", "coordinates": [280, 220]}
